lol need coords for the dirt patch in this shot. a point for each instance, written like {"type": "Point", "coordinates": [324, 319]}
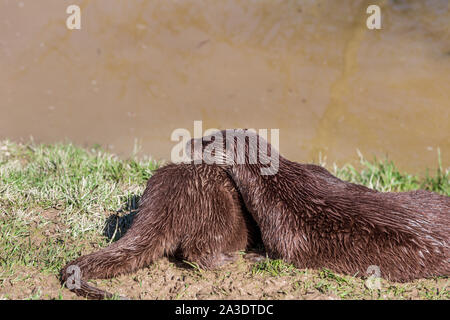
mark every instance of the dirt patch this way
{"type": "Point", "coordinates": [50, 214]}
{"type": "Point", "coordinates": [168, 278]}
{"type": "Point", "coordinates": [165, 280]}
{"type": "Point", "coordinates": [30, 283]}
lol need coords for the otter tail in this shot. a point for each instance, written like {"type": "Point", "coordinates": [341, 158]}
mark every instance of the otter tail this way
{"type": "Point", "coordinates": [126, 255]}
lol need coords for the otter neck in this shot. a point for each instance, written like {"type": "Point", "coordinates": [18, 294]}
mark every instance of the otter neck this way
{"type": "Point", "coordinates": [252, 184]}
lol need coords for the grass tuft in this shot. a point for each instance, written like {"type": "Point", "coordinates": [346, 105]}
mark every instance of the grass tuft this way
{"type": "Point", "coordinates": [383, 175]}
{"type": "Point", "coordinates": [273, 267]}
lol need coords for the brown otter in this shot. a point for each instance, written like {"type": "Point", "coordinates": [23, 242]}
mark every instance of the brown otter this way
{"type": "Point", "coordinates": [312, 219]}
{"type": "Point", "coordinates": [188, 209]}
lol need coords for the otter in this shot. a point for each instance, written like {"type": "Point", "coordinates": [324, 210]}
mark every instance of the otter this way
{"type": "Point", "coordinates": [188, 210]}
{"type": "Point", "coordinates": [312, 219]}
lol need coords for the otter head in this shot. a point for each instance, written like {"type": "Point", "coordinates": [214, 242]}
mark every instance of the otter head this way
{"type": "Point", "coordinates": [234, 147]}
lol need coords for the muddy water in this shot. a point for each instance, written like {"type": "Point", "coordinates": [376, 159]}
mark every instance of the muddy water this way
{"type": "Point", "coordinates": [137, 70]}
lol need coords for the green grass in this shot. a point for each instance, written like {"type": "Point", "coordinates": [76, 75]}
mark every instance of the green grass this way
{"type": "Point", "coordinates": [55, 199]}
{"type": "Point", "coordinates": [383, 175]}
{"type": "Point", "coordinates": [81, 185]}
{"type": "Point", "coordinates": [68, 178]}
{"type": "Point", "coordinates": [273, 267]}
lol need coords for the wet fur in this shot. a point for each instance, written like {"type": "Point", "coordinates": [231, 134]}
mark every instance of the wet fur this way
{"type": "Point", "coordinates": [312, 219]}
{"type": "Point", "coordinates": [192, 210]}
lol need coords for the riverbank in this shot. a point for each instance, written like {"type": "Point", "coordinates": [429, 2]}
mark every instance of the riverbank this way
{"type": "Point", "coordinates": [55, 201]}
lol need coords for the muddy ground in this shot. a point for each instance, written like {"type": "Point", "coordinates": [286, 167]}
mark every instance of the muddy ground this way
{"type": "Point", "coordinates": [168, 278]}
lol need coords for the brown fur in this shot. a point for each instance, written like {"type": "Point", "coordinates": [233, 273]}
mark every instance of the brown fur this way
{"type": "Point", "coordinates": [194, 210]}
{"type": "Point", "coordinates": [312, 219]}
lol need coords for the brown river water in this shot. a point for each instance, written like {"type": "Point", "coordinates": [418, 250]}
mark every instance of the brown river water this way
{"type": "Point", "coordinates": [137, 70]}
